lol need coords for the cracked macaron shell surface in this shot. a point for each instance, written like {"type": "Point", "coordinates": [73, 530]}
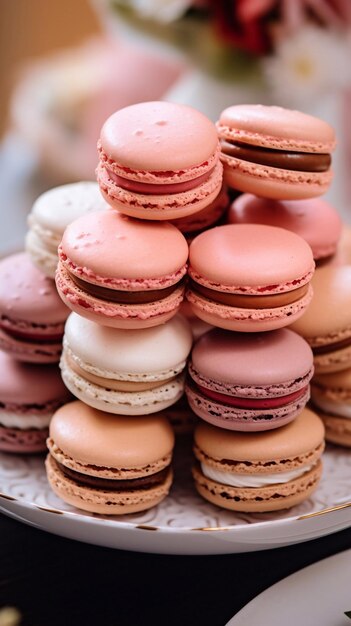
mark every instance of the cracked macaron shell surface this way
{"type": "Point", "coordinates": [159, 160]}
{"type": "Point", "coordinates": [241, 381]}
{"type": "Point", "coordinates": [249, 260]}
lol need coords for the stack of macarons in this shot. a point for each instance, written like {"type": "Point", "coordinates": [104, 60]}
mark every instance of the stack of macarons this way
{"type": "Point", "coordinates": [122, 271]}
{"type": "Point", "coordinates": [258, 448]}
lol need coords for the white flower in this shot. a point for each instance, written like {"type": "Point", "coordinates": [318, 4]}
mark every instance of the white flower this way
{"type": "Point", "coordinates": [161, 10]}
{"type": "Point", "coordinates": [307, 65]}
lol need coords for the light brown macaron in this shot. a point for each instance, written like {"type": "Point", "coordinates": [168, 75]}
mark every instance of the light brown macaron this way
{"type": "Point", "coordinates": [109, 464]}
{"type": "Point", "coordinates": [259, 472]}
{"type": "Point", "coordinates": [331, 397]}
{"type": "Point", "coordinates": [326, 324]}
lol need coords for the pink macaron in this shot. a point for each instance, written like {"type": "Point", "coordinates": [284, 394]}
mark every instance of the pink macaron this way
{"type": "Point", "coordinates": [214, 213]}
{"type": "Point", "coordinates": [29, 395]}
{"type": "Point", "coordinates": [249, 277]}
{"type": "Point", "coordinates": [241, 381]}
{"type": "Point", "coordinates": [32, 316]}
{"type": "Point", "coordinates": [274, 152]}
{"type": "Point", "coordinates": [159, 161]}
{"type": "Point", "coordinates": [122, 272]}
{"type": "Point", "coordinates": [315, 220]}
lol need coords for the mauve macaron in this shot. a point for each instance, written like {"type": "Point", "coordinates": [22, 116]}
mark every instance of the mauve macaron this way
{"type": "Point", "coordinates": [326, 325]}
{"type": "Point", "coordinates": [29, 395]}
{"type": "Point", "coordinates": [32, 315]}
{"type": "Point", "coordinates": [122, 272]}
{"type": "Point", "coordinates": [249, 277]}
{"type": "Point", "coordinates": [331, 398]}
{"type": "Point", "coordinates": [128, 372]}
{"type": "Point", "coordinates": [315, 220]}
{"type": "Point", "coordinates": [50, 215]}
{"type": "Point", "coordinates": [109, 464]}
{"type": "Point", "coordinates": [159, 161]}
{"type": "Point", "coordinates": [258, 472]}
{"type": "Point", "coordinates": [274, 152]}
{"type": "Point", "coordinates": [249, 382]}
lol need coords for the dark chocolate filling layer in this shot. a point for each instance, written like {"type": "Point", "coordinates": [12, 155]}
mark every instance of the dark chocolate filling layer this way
{"type": "Point", "coordinates": [297, 161]}
{"type": "Point", "coordinates": [107, 484]}
{"type": "Point", "coordinates": [250, 301]}
{"type": "Point", "coordinates": [332, 347]}
{"type": "Point", "coordinates": [125, 297]}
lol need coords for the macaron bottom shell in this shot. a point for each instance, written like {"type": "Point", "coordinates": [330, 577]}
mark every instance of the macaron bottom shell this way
{"type": "Point", "coordinates": [20, 441]}
{"type": "Point", "coordinates": [115, 315]}
{"type": "Point", "coordinates": [333, 361]}
{"type": "Point", "coordinates": [258, 500]}
{"type": "Point", "coordinates": [105, 502]}
{"type": "Point", "coordinates": [29, 351]}
{"type": "Point", "coordinates": [247, 320]}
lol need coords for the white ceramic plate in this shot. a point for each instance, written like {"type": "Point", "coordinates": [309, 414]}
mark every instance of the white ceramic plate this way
{"type": "Point", "coordinates": [183, 523]}
{"type": "Point", "coordinates": [318, 594]}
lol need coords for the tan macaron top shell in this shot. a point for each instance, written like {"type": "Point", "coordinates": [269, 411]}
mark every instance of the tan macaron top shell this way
{"type": "Point", "coordinates": [101, 439]}
{"type": "Point", "coordinates": [328, 317]}
{"type": "Point", "coordinates": [302, 435]}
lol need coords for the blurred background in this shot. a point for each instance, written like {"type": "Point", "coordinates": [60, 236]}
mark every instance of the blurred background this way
{"type": "Point", "coordinates": [66, 66]}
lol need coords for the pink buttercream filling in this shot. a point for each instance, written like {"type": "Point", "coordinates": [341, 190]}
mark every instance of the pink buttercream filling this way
{"type": "Point", "coordinates": [123, 284]}
{"type": "Point", "coordinates": [151, 188]}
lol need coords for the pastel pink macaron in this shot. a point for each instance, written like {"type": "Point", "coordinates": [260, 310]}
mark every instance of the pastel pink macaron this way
{"type": "Point", "coordinates": [249, 277]}
{"type": "Point", "coordinates": [249, 382]}
{"type": "Point", "coordinates": [122, 272]}
{"type": "Point", "coordinates": [29, 395]}
{"type": "Point", "coordinates": [315, 220]}
{"type": "Point", "coordinates": [32, 315]}
{"type": "Point", "coordinates": [274, 152]}
{"type": "Point", "coordinates": [193, 225]}
{"type": "Point", "coordinates": [159, 161]}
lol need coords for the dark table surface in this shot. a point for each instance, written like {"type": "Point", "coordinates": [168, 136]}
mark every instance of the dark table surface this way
{"type": "Point", "coordinates": [55, 581]}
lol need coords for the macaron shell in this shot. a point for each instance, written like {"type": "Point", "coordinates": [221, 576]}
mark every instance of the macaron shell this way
{"type": "Point", "coordinates": [104, 502]}
{"type": "Point", "coordinates": [28, 351]}
{"type": "Point", "coordinates": [27, 295]}
{"type": "Point", "coordinates": [112, 314]}
{"type": "Point", "coordinates": [315, 220]}
{"type": "Point", "coordinates": [258, 500]}
{"type": "Point", "coordinates": [247, 320]}
{"type": "Point", "coordinates": [250, 259]}
{"type": "Point", "coordinates": [158, 136]}
{"type": "Point", "coordinates": [205, 218]}
{"type": "Point", "coordinates": [161, 207]}
{"type": "Point", "coordinates": [277, 128]}
{"type": "Point", "coordinates": [113, 250]}
{"type": "Point", "coordinates": [151, 354]}
{"type": "Point", "coordinates": [21, 441]}
{"type": "Point", "coordinates": [268, 364]}
{"type": "Point", "coordinates": [239, 419]}
{"type": "Point", "coordinates": [43, 259]}
{"type": "Point", "coordinates": [337, 429]}
{"type": "Point", "coordinates": [92, 437]}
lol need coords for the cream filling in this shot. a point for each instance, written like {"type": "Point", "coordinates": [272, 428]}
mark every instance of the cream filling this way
{"type": "Point", "coordinates": [252, 480]}
{"type": "Point", "coordinates": [342, 409]}
{"type": "Point", "coordinates": [24, 421]}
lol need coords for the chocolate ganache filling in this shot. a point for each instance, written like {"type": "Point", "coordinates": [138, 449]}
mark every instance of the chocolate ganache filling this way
{"type": "Point", "coordinates": [108, 484]}
{"type": "Point", "coordinates": [245, 301]}
{"type": "Point", "coordinates": [332, 347]}
{"type": "Point", "coordinates": [125, 297]}
{"type": "Point", "coordinates": [297, 161]}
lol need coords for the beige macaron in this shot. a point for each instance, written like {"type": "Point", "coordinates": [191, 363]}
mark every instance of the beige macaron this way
{"type": "Point", "coordinates": [331, 397]}
{"type": "Point", "coordinates": [109, 464]}
{"type": "Point", "coordinates": [258, 472]}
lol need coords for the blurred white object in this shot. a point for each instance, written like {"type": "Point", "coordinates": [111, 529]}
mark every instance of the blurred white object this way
{"type": "Point", "coordinates": [61, 102]}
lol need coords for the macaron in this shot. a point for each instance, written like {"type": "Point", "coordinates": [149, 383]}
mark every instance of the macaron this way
{"type": "Point", "coordinates": [193, 225]}
{"type": "Point", "coordinates": [109, 464]}
{"type": "Point", "coordinates": [249, 277]}
{"type": "Point", "coordinates": [159, 161]}
{"type": "Point", "coordinates": [29, 395]}
{"type": "Point", "coordinates": [343, 251]}
{"type": "Point", "coordinates": [274, 152]}
{"type": "Point", "coordinates": [249, 382]}
{"type": "Point", "coordinates": [182, 419]}
{"type": "Point", "coordinates": [32, 315]}
{"type": "Point", "coordinates": [326, 325]}
{"type": "Point", "coordinates": [122, 272]}
{"type": "Point", "coordinates": [50, 215]}
{"type": "Point", "coordinates": [331, 397]}
{"type": "Point", "coordinates": [315, 220]}
{"type": "Point", "coordinates": [259, 472]}
{"type": "Point", "coordinates": [129, 372]}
